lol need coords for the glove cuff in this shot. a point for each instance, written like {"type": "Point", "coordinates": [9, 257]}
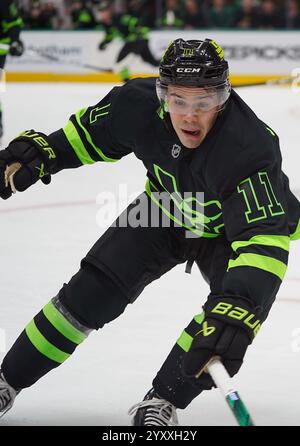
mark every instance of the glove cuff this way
{"type": "Point", "coordinates": [234, 310]}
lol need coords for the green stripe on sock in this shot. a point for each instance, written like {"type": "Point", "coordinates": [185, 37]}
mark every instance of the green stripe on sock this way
{"type": "Point", "coordinates": [77, 144]}
{"type": "Point", "coordinates": [43, 346]}
{"type": "Point", "coordinates": [63, 325]}
{"type": "Point", "coordinates": [265, 263]}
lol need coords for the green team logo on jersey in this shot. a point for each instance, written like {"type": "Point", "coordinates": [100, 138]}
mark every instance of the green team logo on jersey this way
{"type": "Point", "coordinates": [199, 214]}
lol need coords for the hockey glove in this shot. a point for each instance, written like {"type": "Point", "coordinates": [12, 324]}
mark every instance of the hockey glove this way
{"type": "Point", "coordinates": [228, 328]}
{"type": "Point", "coordinates": [27, 159]}
{"type": "Point", "coordinates": [16, 48]}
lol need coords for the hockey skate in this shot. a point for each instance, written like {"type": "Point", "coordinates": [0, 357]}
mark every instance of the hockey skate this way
{"type": "Point", "coordinates": [153, 411]}
{"type": "Point", "coordinates": [7, 395]}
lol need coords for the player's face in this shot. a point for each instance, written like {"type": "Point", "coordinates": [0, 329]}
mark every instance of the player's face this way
{"type": "Point", "coordinates": [193, 112]}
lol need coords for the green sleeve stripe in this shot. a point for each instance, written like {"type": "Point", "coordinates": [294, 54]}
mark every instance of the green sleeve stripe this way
{"type": "Point", "coordinates": [265, 263]}
{"type": "Point", "coordinates": [89, 138]}
{"type": "Point", "coordinates": [280, 241]}
{"type": "Point", "coordinates": [296, 234]}
{"type": "Point", "coordinates": [3, 52]}
{"type": "Point", "coordinates": [8, 25]}
{"type": "Point", "coordinates": [43, 346]}
{"type": "Point", "coordinates": [185, 341]}
{"type": "Point", "coordinates": [62, 324]}
{"type": "Point", "coordinates": [77, 144]}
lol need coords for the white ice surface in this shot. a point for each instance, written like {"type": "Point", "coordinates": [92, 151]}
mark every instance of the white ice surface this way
{"type": "Point", "coordinates": [46, 231]}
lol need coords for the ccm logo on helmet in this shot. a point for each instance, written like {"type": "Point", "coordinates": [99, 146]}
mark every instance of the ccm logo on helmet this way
{"type": "Point", "coordinates": [188, 70]}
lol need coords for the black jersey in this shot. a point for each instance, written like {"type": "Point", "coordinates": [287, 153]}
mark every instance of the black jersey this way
{"type": "Point", "coordinates": [10, 24]}
{"type": "Point", "coordinates": [126, 27]}
{"type": "Point", "coordinates": [238, 168]}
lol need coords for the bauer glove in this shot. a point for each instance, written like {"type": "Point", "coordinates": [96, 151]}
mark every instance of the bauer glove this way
{"type": "Point", "coordinates": [27, 159]}
{"type": "Point", "coordinates": [228, 328]}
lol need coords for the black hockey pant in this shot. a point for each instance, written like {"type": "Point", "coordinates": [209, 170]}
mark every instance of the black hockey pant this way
{"type": "Point", "coordinates": [114, 273]}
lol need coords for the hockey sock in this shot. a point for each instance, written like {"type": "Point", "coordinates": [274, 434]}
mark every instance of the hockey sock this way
{"type": "Point", "coordinates": [170, 383]}
{"type": "Point", "coordinates": [47, 341]}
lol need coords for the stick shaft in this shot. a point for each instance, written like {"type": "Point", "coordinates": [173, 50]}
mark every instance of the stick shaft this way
{"type": "Point", "coordinates": [223, 381]}
{"type": "Point", "coordinates": [69, 62]}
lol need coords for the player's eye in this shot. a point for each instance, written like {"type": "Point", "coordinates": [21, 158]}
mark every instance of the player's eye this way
{"type": "Point", "coordinates": [179, 102]}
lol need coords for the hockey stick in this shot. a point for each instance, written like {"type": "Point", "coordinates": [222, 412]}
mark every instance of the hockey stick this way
{"type": "Point", "coordinates": [34, 52]}
{"type": "Point", "coordinates": [223, 381]}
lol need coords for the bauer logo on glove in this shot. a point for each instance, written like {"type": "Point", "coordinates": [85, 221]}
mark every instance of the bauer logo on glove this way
{"type": "Point", "coordinates": [228, 328]}
{"type": "Point", "coordinates": [27, 159]}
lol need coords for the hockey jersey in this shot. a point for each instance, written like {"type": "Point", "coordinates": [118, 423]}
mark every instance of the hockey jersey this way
{"type": "Point", "coordinates": [10, 24]}
{"type": "Point", "coordinates": [246, 198]}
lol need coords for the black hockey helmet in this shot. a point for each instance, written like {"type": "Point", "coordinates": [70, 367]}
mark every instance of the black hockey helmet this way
{"type": "Point", "coordinates": [194, 63]}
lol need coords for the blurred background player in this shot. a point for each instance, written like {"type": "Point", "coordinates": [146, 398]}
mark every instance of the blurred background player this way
{"type": "Point", "coordinates": [129, 28]}
{"type": "Point", "coordinates": [10, 43]}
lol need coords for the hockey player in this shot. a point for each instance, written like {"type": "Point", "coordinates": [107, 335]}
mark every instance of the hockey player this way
{"type": "Point", "coordinates": [131, 31]}
{"type": "Point", "coordinates": [193, 134]}
{"type": "Point", "coordinates": [10, 43]}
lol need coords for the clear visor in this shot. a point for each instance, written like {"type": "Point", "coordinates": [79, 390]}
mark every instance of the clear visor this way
{"type": "Point", "coordinates": [192, 100]}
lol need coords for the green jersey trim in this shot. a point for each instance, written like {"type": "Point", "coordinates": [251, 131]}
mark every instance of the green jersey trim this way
{"type": "Point", "coordinates": [78, 116]}
{"type": "Point", "coordinates": [265, 263]}
{"type": "Point", "coordinates": [77, 144]}
{"type": "Point", "coordinates": [279, 241]}
{"type": "Point", "coordinates": [296, 234]}
{"type": "Point", "coordinates": [8, 25]}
